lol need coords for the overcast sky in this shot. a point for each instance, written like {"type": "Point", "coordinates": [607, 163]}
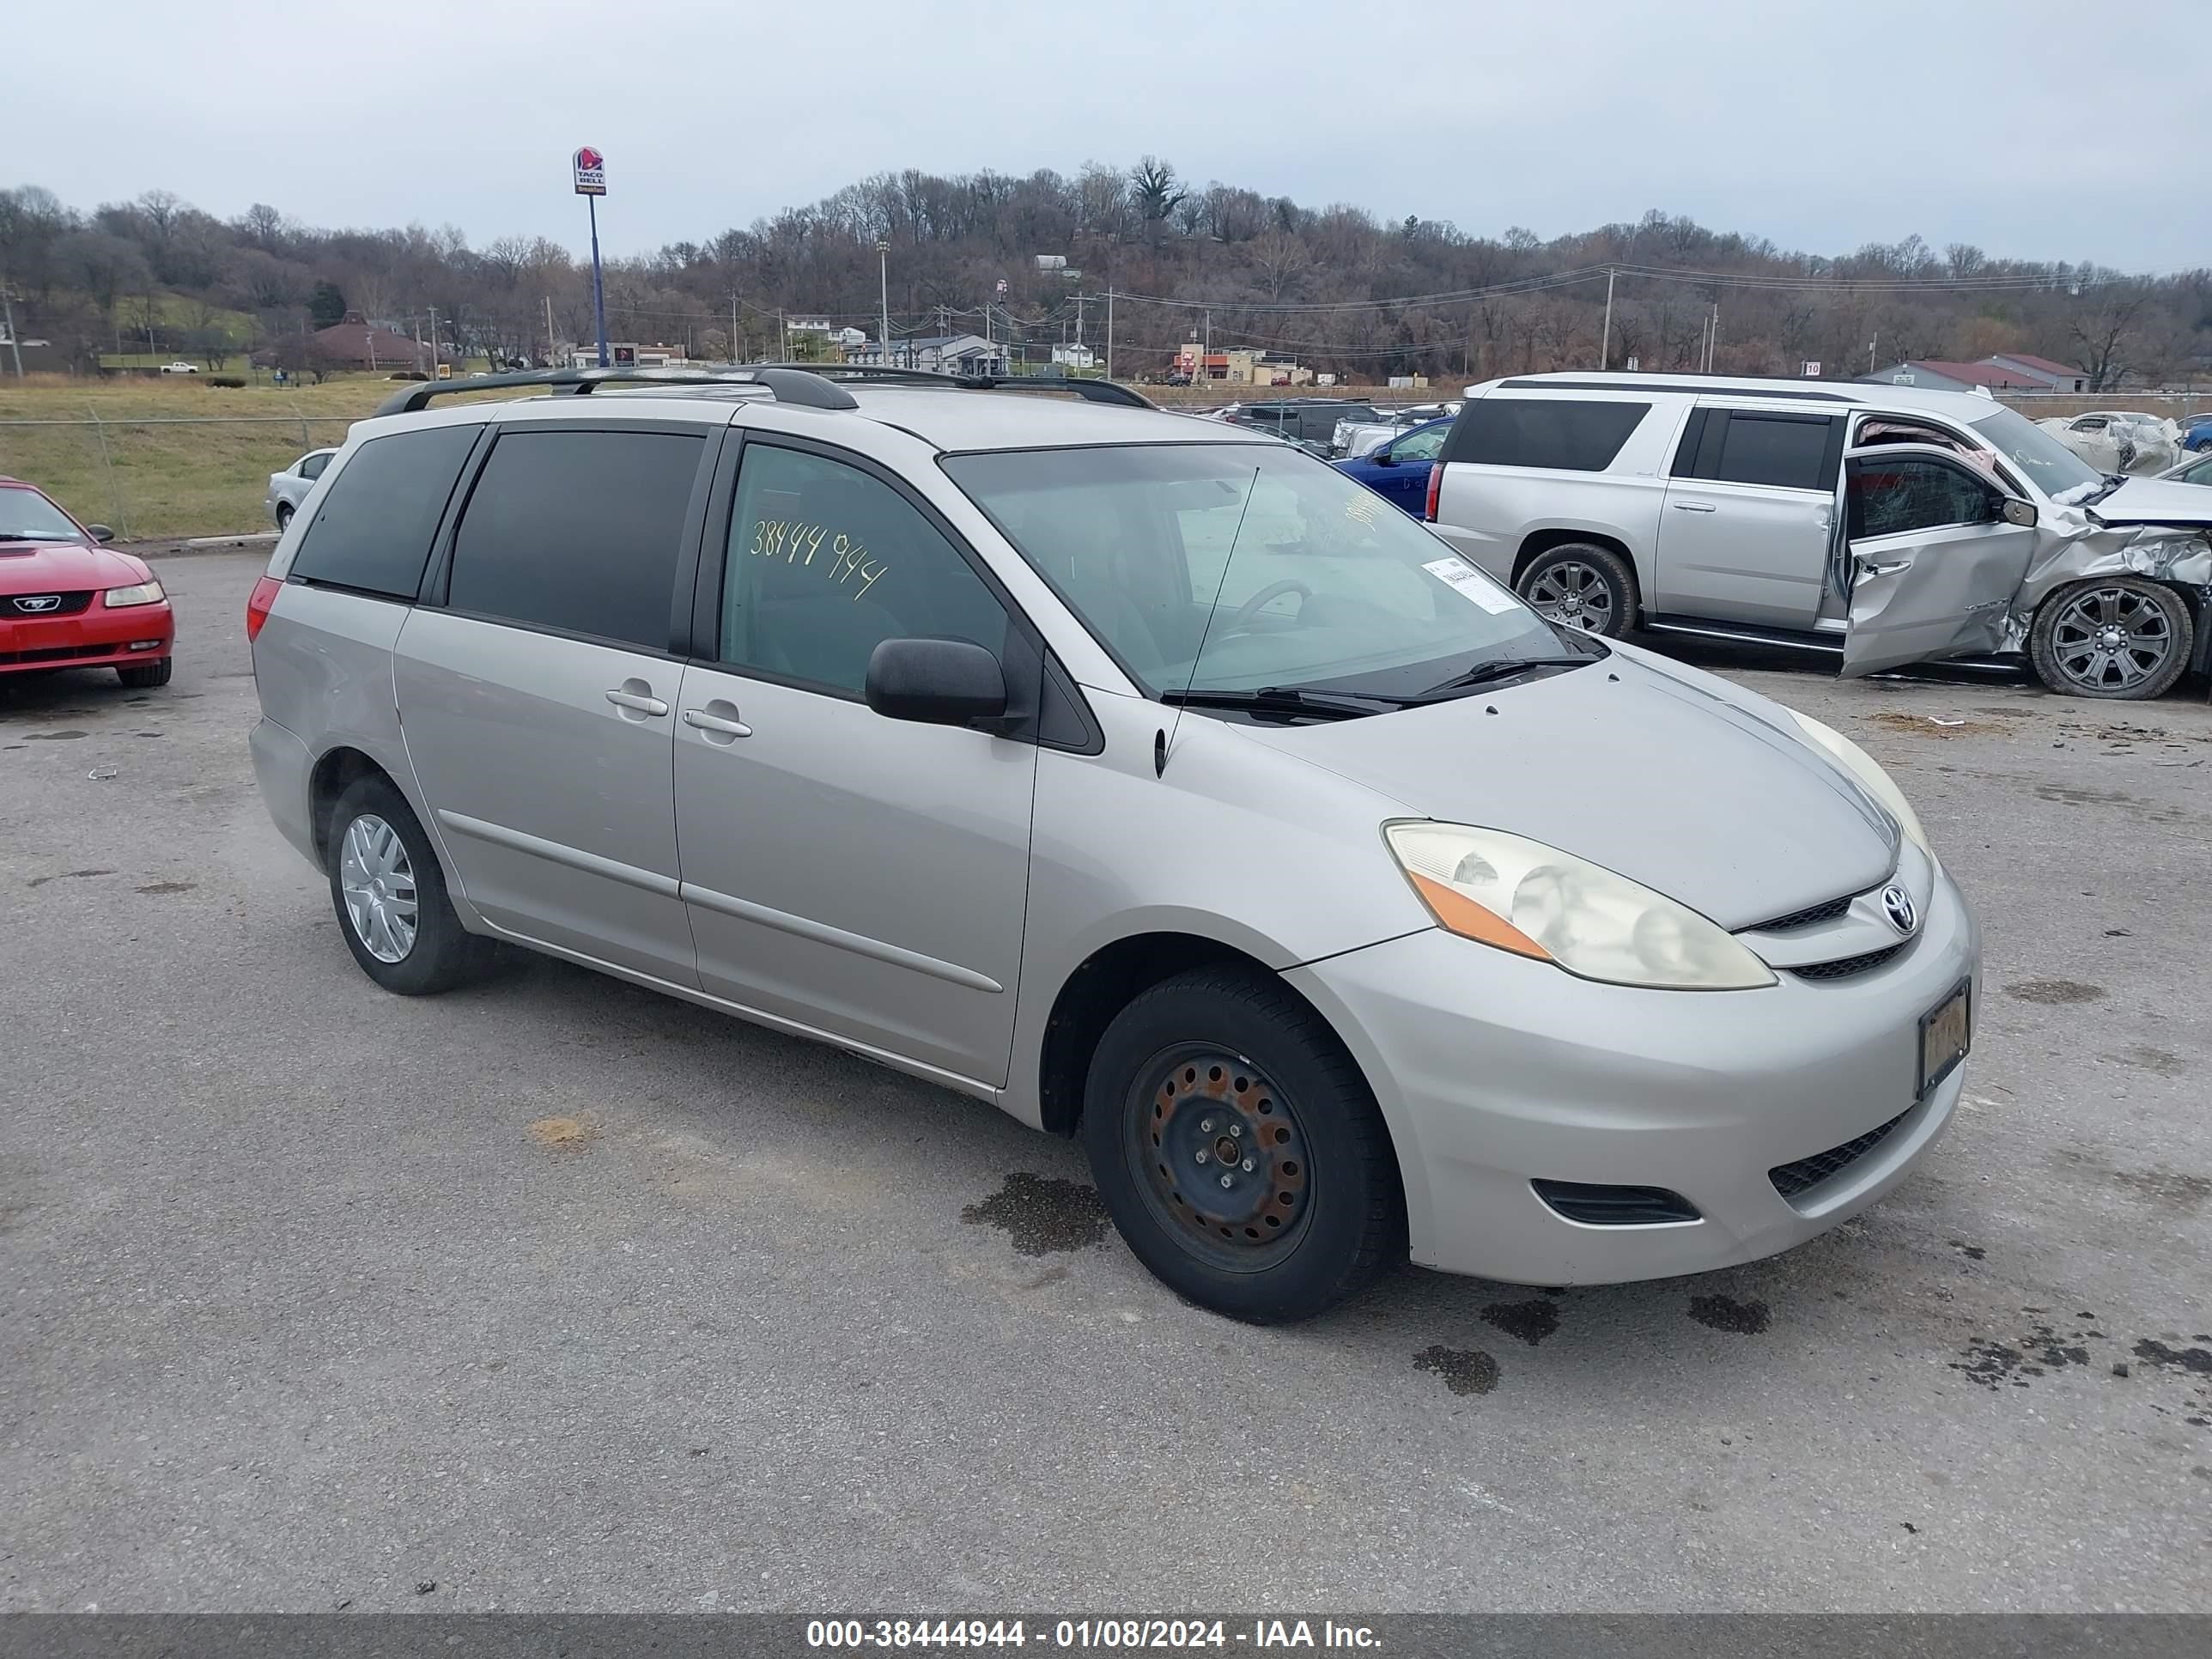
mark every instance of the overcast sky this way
{"type": "Point", "coordinates": [2039, 128]}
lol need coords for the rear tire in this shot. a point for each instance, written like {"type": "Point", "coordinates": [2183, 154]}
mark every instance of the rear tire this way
{"type": "Point", "coordinates": [2119, 638]}
{"type": "Point", "coordinates": [390, 895]}
{"type": "Point", "coordinates": [1239, 1150]}
{"type": "Point", "coordinates": [143, 676]}
{"type": "Point", "coordinates": [284, 517]}
{"type": "Point", "coordinates": [1582, 585]}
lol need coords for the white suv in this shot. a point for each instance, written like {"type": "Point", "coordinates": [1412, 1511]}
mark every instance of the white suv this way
{"type": "Point", "coordinates": [1877, 524]}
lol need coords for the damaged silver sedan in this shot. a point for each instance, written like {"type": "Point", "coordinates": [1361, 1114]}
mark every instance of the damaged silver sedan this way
{"type": "Point", "coordinates": [1877, 525]}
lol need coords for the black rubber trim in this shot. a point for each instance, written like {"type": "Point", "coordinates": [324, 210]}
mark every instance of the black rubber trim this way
{"type": "Point", "coordinates": [1616, 1206]}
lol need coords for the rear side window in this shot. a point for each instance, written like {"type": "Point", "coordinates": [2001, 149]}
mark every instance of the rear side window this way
{"type": "Point", "coordinates": [374, 528]}
{"type": "Point", "coordinates": [1560, 433]}
{"type": "Point", "coordinates": [579, 532]}
{"type": "Point", "coordinates": [1791, 452]}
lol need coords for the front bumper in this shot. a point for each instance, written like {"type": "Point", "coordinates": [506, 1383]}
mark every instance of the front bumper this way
{"type": "Point", "coordinates": [1494, 1072]}
{"type": "Point", "coordinates": [95, 637]}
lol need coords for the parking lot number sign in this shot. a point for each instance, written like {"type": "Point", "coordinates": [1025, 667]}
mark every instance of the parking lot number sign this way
{"type": "Point", "coordinates": [590, 172]}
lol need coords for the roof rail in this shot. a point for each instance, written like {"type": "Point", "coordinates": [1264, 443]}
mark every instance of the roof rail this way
{"type": "Point", "coordinates": [788, 383]}
{"type": "Point", "coordinates": [1097, 391]}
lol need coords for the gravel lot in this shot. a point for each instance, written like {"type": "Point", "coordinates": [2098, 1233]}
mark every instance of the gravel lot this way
{"type": "Point", "coordinates": [555, 1294]}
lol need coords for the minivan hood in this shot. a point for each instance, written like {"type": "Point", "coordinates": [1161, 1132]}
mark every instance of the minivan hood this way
{"type": "Point", "coordinates": [2156, 500]}
{"type": "Point", "coordinates": [1694, 796]}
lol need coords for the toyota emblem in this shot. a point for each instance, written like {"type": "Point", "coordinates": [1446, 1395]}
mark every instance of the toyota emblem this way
{"type": "Point", "coordinates": [1897, 905]}
{"type": "Point", "coordinates": [37, 601]}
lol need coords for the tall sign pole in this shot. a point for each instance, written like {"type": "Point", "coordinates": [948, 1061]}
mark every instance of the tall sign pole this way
{"type": "Point", "coordinates": [591, 185]}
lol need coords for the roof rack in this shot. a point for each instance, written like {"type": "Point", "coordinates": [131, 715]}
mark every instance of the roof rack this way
{"type": "Point", "coordinates": [789, 385]}
{"type": "Point", "coordinates": [817, 385]}
{"type": "Point", "coordinates": [1097, 391]}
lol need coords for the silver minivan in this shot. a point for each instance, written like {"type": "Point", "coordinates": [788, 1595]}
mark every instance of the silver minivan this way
{"type": "Point", "coordinates": [1137, 773]}
{"type": "Point", "coordinates": [1875, 525]}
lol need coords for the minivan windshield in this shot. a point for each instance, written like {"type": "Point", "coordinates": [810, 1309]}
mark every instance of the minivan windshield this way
{"type": "Point", "coordinates": [1216, 568]}
{"type": "Point", "coordinates": [2057, 471]}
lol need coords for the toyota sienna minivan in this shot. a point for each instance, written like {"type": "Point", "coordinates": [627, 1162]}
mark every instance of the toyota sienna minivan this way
{"type": "Point", "coordinates": [1137, 773]}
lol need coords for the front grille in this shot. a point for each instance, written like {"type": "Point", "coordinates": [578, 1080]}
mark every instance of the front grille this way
{"type": "Point", "coordinates": [1615, 1206]}
{"type": "Point", "coordinates": [58, 654]}
{"type": "Point", "coordinates": [1844, 967]}
{"type": "Point", "coordinates": [1806, 917]}
{"type": "Point", "coordinates": [20, 604]}
{"type": "Point", "coordinates": [1792, 1179]}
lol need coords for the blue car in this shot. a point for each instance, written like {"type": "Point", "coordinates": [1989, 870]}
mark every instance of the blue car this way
{"type": "Point", "coordinates": [1399, 470]}
{"type": "Point", "coordinates": [2197, 434]}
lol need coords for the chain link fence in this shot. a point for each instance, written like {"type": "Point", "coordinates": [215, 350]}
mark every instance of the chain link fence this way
{"type": "Point", "coordinates": [161, 477]}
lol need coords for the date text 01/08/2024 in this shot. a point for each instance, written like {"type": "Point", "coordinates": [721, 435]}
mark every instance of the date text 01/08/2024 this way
{"type": "Point", "coordinates": [1106, 1634]}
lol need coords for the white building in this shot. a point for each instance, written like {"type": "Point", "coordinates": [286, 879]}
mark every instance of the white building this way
{"type": "Point", "coordinates": [942, 354]}
{"type": "Point", "coordinates": [1074, 356]}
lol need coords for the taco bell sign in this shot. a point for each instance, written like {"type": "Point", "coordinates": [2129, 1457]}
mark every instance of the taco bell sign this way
{"type": "Point", "coordinates": [590, 172]}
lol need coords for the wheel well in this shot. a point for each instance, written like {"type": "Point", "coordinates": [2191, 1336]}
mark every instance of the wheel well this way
{"type": "Point", "coordinates": [1098, 990]}
{"type": "Point", "coordinates": [335, 773]}
{"type": "Point", "coordinates": [1543, 541]}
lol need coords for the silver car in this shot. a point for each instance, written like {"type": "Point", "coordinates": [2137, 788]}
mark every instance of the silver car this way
{"type": "Point", "coordinates": [288, 489]}
{"type": "Point", "coordinates": [1874, 524]}
{"type": "Point", "coordinates": [1139, 776]}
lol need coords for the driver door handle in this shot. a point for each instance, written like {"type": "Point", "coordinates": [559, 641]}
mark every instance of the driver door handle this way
{"type": "Point", "coordinates": [1884, 567]}
{"type": "Point", "coordinates": [707, 722]}
{"type": "Point", "coordinates": [1695, 507]}
{"type": "Point", "coordinates": [632, 700]}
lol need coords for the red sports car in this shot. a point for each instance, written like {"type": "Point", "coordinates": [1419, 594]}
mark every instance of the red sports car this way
{"type": "Point", "coordinates": [67, 600]}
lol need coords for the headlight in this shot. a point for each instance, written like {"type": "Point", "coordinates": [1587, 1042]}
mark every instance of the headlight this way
{"type": "Point", "coordinates": [1871, 778]}
{"type": "Point", "coordinates": [1535, 901]}
{"type": "Point", "coordinates": [143, 593]}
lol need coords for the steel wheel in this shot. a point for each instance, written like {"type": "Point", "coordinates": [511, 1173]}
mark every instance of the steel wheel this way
{"type": "Point", "coordinates": [2110, 640]}
{"type": "Point", "coordinates": [1573, 594]}
{"type": "Point", "coordinates": [1221, 1158]}
{"type": "Point", "coordinates": [378, 885]}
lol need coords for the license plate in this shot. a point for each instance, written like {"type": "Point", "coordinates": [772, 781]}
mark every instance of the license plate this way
{"type": "Point", "coordinates": [1946, 1033]}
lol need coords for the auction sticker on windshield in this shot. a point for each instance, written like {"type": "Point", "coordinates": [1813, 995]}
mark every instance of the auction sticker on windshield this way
{"type": "Point", "coordinates": [1472, 585]}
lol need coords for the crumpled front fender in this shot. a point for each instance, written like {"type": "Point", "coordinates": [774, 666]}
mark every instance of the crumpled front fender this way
{"type": "Point", "coordinates": [2084, 551]}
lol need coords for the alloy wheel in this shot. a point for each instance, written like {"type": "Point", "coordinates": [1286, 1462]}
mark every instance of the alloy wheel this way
{"type": "Point", "coordinates": [379, 885]}
{"type": "Point", "coordinates": [2110, 638]}
{"type": "Point", "coordinates": [1574, 594]}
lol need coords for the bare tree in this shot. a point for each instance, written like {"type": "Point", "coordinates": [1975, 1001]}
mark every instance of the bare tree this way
{"type": "Point", "coordinates": [2104, 331]}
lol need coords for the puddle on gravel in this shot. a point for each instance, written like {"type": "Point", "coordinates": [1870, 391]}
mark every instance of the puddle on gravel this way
{"type": "Point", "coordinates": [66, 875]}
{"type": "Point", "coordinates": [1724, 1313]}
{"type": "Point", "coordinates": [1465, 1370]}
{"type": "Point", "coordinates": [1041, 1213]}
{"type": "Point", "coordinates": [167, 887]}
{"type": "Point", "coordinates": [1528, 1321]}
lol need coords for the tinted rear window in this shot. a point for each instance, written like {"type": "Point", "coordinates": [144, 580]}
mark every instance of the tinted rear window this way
{"type": "Point", "coordinates": [1550, 432]}
{"type": "Point", "coordinates": [1792, 450]}
{"type": "Point", "coordinates": [374, 528]}
{"type": "Point", "coordinates": [578, 531]}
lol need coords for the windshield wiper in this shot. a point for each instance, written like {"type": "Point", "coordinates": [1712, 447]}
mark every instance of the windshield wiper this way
{"type": "Point", "coordinates": [1503, 668]}
{"type": "Point", "coordinates": [1290, 700]}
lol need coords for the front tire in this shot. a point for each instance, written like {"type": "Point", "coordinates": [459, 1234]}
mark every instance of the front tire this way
{"type": "Point", "coordinates": [390, 895]}
{"type": "Point", "coordinates": [1583, 585]}
{"type": "Point", "coordinates": [144, 677]}
{"type": "Point", "coordinates": [1238, 1149]}
{"type": "Point", "coordinates": [2119, 638]}
{"type": "Point", "coordinates": [284, 517]}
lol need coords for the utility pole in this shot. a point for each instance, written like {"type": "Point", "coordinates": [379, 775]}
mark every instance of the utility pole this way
{"type": "Point", "coordinates": [14, 346]}
{"type": "Point", "coordinates": [1605, 340]}
{"type": "Point", "coordinates": [883, 293]}
{"type": "Point", "coordinates": [782, 338]}
{"type": "Point", "coordinates": [433, 342]}
{"type": "Point", "coordinates": [549, 345]}
{"type": "Point", "coordinates": [733, 326]}
{"type": "Point", "coordinates": [1206, 351]}
{"type": "Point", "coordinates": [1109, 330]}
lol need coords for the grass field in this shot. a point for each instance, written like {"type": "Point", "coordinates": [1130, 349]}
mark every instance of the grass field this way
{"type": "Point", "coordinates": [124, 459]}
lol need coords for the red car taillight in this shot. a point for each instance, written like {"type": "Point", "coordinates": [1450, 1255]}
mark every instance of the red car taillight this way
{"type": "Point", "coordinates": [1436, 484]}
{"type": "Point", "coordinates": [258, 603]}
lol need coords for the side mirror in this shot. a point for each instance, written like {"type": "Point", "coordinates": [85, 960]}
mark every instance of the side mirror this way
{"type": "Point", "coordinates": [101, 533]}
{"type": "Point", "coordinates": [2015, 511]}
{"type": "Point", "coordinates": [1383, 457]}
{"type": "Point", "coordinates": [936, 682]}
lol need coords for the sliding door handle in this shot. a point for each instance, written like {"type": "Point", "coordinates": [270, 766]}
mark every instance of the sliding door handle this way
{"type": "Point", "coordinates": [707, 722]}
{"type": "Point", "coordinates": [637, 701]}
{"type": "Point", "coordinates": [1694, 507]}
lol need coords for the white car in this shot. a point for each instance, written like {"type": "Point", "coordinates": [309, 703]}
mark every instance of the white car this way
{"type": "Point", "coordinates": [288, 489]}
{"type": "Point", "coordinates": [2119, 440]}
{"type": "Point", "coordinates": [180, 367]}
